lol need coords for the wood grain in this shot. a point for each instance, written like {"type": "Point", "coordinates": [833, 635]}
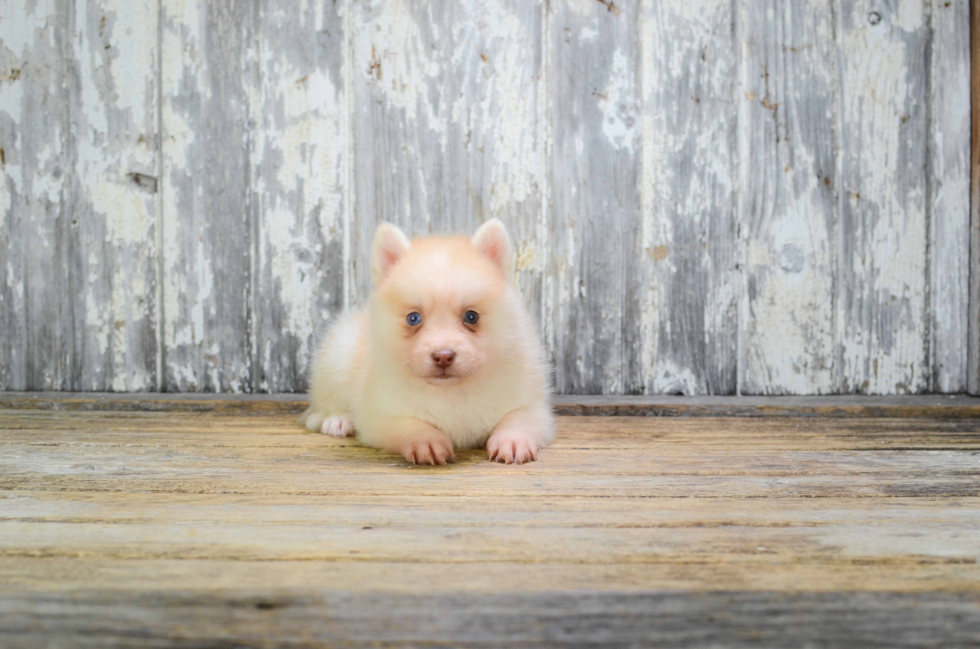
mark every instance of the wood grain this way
{"type": "Point", "coordinates": [36, 223]}
{"type": "Point", "coordinates": [594, 228]}
{"type": "Point", "coordinates": [973, 344]}
{"type": "Point", "coordinates": [208, 227]}
{"type": "Point", "coordinates": [268, 580]}
{"type": "Point", "coordinates": [915, 406]}
{"type": "Point", "coordinates": [706, 197]}
{"type": "Point", "coordinates": [188, 619]}
{"type": "Point", "coordinates": [196, 529]}
{"type": "Point", "coordinates": [298, 186]}
{"type": "Point", "coordinates": [114, 188]}
{"type": "Point", "coordinates": [686, 307]}
{"type": "Point", "coordinates": [789, 210]}
{"type": "Point", "coordinates": [949, 194]}
{"type": "Point", "coordinates": [253, 428]}
{"type": "Point", "coordinates": [883, 231]}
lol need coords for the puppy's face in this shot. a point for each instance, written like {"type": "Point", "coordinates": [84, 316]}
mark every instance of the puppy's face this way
{"type": "Point", "coordinates": [440, 310]}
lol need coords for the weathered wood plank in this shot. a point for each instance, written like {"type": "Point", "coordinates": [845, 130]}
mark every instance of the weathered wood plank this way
{"type": "Point", "coordinates": [952, 406]}
{"type": "Point", "coordinates": [299, 185]}
{"type": "Point", "coordinates": [682, 458]}
{"type": "Point", "coordinates": [593, 234]}
{"type": "Point", "coordinates": [973, 344]}
{"type": "Point", "coordinates": [114, 135]}
{"type": "Point", "coordinates": [687, 303]}
{"type": "Point", "coordinates": [828, 543]}
{"type": "Point", "coordinates": [788, 147]}
{"type": "Point", "coordinates": [949, 188]}
{"type": "Point", "coordinates": [402, 511]}
{"type": "Point", "coordinates": [234, 525]}
{"type": "Point", "coordinates": [447, 122]}
{"type": "Point", "coordinates": [578, 434]}
{"type": "Point", "coordinates": [913, 406]}
{"type": "Point", "coordinates": [311, 617]}
{"type": "Point", "coordinates": [207, 222]}
{"type": "Point", "coordinates": [447, 125]}
{"type": "Point", "coordinates": [882, 265]}
{"type": "Point", "coordinates": [257, 429]}
{"type": "Point", "coordinates": [400, 528]}
{"type": "Point", "coordinates": [576, 486]}
{"type": "Point", "coordinates": [53, 575]}
{"type": "Point", "coordinates": [36, 228]}
{"type": "Point", "coordinates": [668, 458]}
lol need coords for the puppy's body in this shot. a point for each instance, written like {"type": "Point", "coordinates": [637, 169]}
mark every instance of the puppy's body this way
{"type": "Point", "coordinates": [424, 389]}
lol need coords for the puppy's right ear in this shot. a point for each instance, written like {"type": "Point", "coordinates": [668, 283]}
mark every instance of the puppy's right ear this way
{"type": "Point", "coordinates": [390, 245]}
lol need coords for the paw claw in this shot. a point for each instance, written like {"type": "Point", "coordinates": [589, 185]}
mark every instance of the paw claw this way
{"type": "Point", "coordinates": [337, 427]}
{"type": "Point", "coordinates": [430, 451]}
{"type": "Point", "coordinates": [511, 448]}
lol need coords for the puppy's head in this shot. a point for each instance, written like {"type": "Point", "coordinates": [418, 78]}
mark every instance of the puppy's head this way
{"type": "Point", "coordinates": [440, 309]}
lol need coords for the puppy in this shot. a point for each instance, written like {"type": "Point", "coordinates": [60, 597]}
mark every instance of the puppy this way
{"type": "Point", "coordinates": [444, 355]}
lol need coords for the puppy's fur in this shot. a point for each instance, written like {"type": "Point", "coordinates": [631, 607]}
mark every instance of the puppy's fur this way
{"type": "Point", "coordinates": [425, 389]}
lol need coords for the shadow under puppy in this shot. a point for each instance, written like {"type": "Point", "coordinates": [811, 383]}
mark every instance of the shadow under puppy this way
{"type": "Point", "coordinates": [443, 356]}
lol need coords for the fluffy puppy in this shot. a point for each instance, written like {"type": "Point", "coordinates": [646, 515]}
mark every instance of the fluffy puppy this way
{"type": "Point", "coordinates": [444, 356]}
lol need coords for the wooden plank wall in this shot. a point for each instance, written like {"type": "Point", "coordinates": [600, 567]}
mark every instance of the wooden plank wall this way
{"type": "Point", "coordinates": [973, 345]}
{"type": "Point", "coordinates": [708, 197]}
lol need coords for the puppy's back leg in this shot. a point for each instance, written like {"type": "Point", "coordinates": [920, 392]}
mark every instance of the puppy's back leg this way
{"type": "Point", "coordinates": [332, 379]}
{"type": "Point", "coordinates": [337, 426]}
{"type": "Point", "coordinates": [333, 425]}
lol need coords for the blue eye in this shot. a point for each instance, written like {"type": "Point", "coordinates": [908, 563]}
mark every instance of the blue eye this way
{"type": "Point", "coordinates": [414, 319]}
{"type": "Point", "coordinates": [470, 317]}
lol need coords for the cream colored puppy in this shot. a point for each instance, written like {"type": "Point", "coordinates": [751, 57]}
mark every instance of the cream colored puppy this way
{"type": "Point", "coordinates": [444, 356]}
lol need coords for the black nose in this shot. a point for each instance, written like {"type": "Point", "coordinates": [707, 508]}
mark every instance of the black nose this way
{"type": "Point", "coordinates": [444, 358]}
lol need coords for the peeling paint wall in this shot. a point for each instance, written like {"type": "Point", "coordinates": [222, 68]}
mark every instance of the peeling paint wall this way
{"type": "Point", "coordinates": [707, 196]}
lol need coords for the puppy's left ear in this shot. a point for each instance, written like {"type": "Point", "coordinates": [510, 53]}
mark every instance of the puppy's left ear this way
{"type": "Point", "coordinates": [494, 244]}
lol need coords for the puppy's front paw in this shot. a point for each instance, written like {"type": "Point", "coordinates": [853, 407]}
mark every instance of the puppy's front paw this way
{"type": "Point", "coordinates": [429, 450]}
{"type": "Point", "coordinates": [511, 447]}
{"type": "Point", "coordinates": [337, 427]}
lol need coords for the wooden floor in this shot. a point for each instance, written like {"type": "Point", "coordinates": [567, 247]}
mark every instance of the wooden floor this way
{"type": "Point", "coordinates": [211, 528]}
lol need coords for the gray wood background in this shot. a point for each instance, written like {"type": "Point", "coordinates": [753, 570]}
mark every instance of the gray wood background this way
{"type": "Point", "coordinates": [708, 196]}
